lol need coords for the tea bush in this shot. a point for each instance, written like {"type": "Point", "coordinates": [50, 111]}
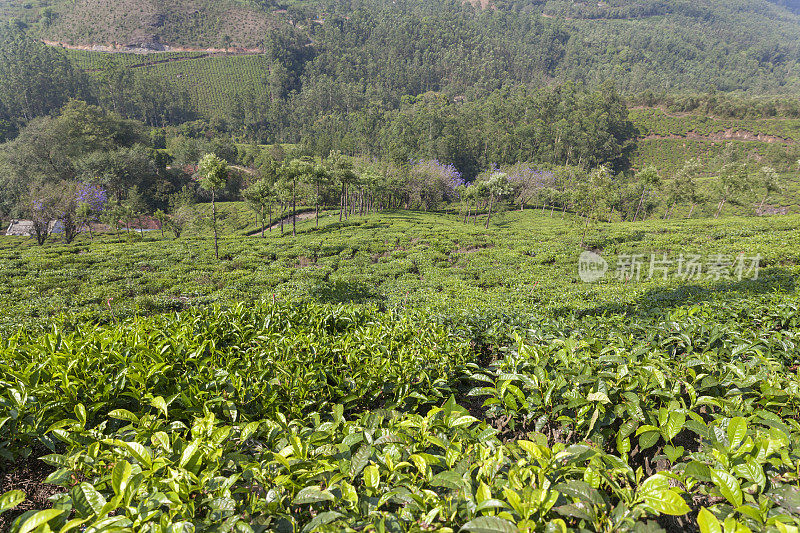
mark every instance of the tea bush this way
{"type": "Point", "coordinates": [406, 372]}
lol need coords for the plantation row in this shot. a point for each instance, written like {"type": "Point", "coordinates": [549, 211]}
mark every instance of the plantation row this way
{"type": "Point", "coordinates": [668, 141]}
{"type": "Point", "coordinates": [657, 122]}
{"type": "Point", "coordinates": [671, 154]}
{"type": "Point", "coordinates": [527, 262]}
{"type": "Point", "coordinates": [331, 418]}
{"type": "Point", "coordinates": [95, 61]}
{"type": "Point", "coordinates": [215, 83]}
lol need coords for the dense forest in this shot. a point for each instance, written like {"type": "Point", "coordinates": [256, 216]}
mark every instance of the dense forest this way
{"type": "Point", "coordinates": [323, 61]}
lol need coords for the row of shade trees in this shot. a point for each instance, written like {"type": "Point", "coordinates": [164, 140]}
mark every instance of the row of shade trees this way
{"type": "Point", "coordinates": [277, 190]}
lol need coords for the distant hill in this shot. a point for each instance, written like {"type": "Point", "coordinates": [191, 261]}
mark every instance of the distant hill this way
{"type": "Point", "coordinates": [659, 45]}
{"type": "Point", "coordinates": [155, 23]}
{"type": "Point", "coordinates": [326, 69]}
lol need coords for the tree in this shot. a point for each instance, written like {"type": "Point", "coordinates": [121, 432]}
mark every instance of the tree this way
{"type": "Point", "coordinates": [767, 180]}
{"type": "Point", "coordinates": [213, 173]}
{"type": "Point", "coordinates": [291, 172]}
{"type": "Point", "coordinates": [648, 179]}
{"type": "Point", "coordinates": [340, 168]}
{"type": "Point", "coordinates": [733, 179]}
{"type": "Point", "coordinates": [683, 187]}
{"type": "Point", "coordinates": [41, 209]}
{"type": "Point", "coordinates": [161, 217]}
{"type": "Point", "coordinates": [318, 177]}
{"type": "Point", "coordinates": [259, 197]}
{"type": "Point", "coordinates": [134, 206]}
{"type": "Point", "coordinates": [180, 217]}
{"type": "Point", "coordinates": [592, 196]}
{"type": "Point", "coordinates": [497, 187]}
{"type": "Point", "coordinates": [83, 143]}
{"type": "Point", "coordinates": [464, 194]}
{"type": "Point", "coordinates": [91, 203]}
{"type": "Point", "coordinates": [283, 194]}
{"type": "Point", "coordinates": [35, 79]}
{"type": "Point", "coordinates": [67, 210]}
{"type": "Point", "coordinates": [475, 192]}
{"type": "Point", "coordinates": [114, 212]}
{"type": "Point", "coordinates": [115, 83]}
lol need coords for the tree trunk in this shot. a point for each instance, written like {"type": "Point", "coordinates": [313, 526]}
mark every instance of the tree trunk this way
{"type": "Point", "coordinates": [294, 209]}
{"type": "Point", "coordinates": [489, 217]}
{"type": "Point", "coordinates": [691, 210]}
{"type": "Point", "coordinates": [638, 207]}
{"type": "Point", "coordinates": [585, 228]}
{"type": "Point", "coordinates": [214, 222]}
{"type": "Point", "coordinates": [341, 204]}
{"type": "Point", "coordinates": [719, 210]}
{"type": "Point", "coordinates": [316, 207]}
{"type": "Point", "coordinates": [262, 221]}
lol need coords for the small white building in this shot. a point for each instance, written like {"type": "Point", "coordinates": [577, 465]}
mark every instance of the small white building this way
{"type": "Point", "coordinates": [24, 228]}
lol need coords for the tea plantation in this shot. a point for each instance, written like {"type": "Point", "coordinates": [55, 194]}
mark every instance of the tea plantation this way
{"type": "Point", "coordinates": [404, 371]}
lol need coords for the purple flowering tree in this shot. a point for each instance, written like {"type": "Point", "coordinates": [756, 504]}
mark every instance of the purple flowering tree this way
{"type": "Point", "coordinates": [432, 182]}
{"type": "Point", "coordinates": [90, 201]}
{"type": "Point", "coordinates": [71, 204]}
{"type": "Point", "coordinates": [530, 184]}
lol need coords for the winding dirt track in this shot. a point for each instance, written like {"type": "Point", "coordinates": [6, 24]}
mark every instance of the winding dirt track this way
{"type": "Point", "coordinates": [204, 52]}
{"type": "Point", "coordinates": [145, 51]}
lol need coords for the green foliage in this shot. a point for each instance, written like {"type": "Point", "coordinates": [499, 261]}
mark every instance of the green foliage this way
{"type": "Point", "coordinates": [35, 79]}
{"type": "Point", "coordinates": [213, 172]}
{"type": "Point", "coordinates": [82, 143]}
{"type": "Point", "coordinates": [524, 263]}
{"type": "Point", "coordinates": [307, 416]}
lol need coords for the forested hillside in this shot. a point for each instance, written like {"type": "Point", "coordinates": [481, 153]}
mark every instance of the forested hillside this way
{"type": "Point", "coordinates": [408, 47]}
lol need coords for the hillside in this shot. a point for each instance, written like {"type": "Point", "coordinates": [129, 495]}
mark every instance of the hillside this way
{"type": "Point", "coordinates": [146, 24]}
{"type": "Point", "coordinates": [644, 44]}
{"type": "Point", "coordinates": [525, 263]}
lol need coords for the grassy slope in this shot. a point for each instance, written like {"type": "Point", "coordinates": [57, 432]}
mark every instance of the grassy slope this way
{"type": "Point", "coordinates": [525, 262]}
{"type": "Point", "coordinates": [196, 23]}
